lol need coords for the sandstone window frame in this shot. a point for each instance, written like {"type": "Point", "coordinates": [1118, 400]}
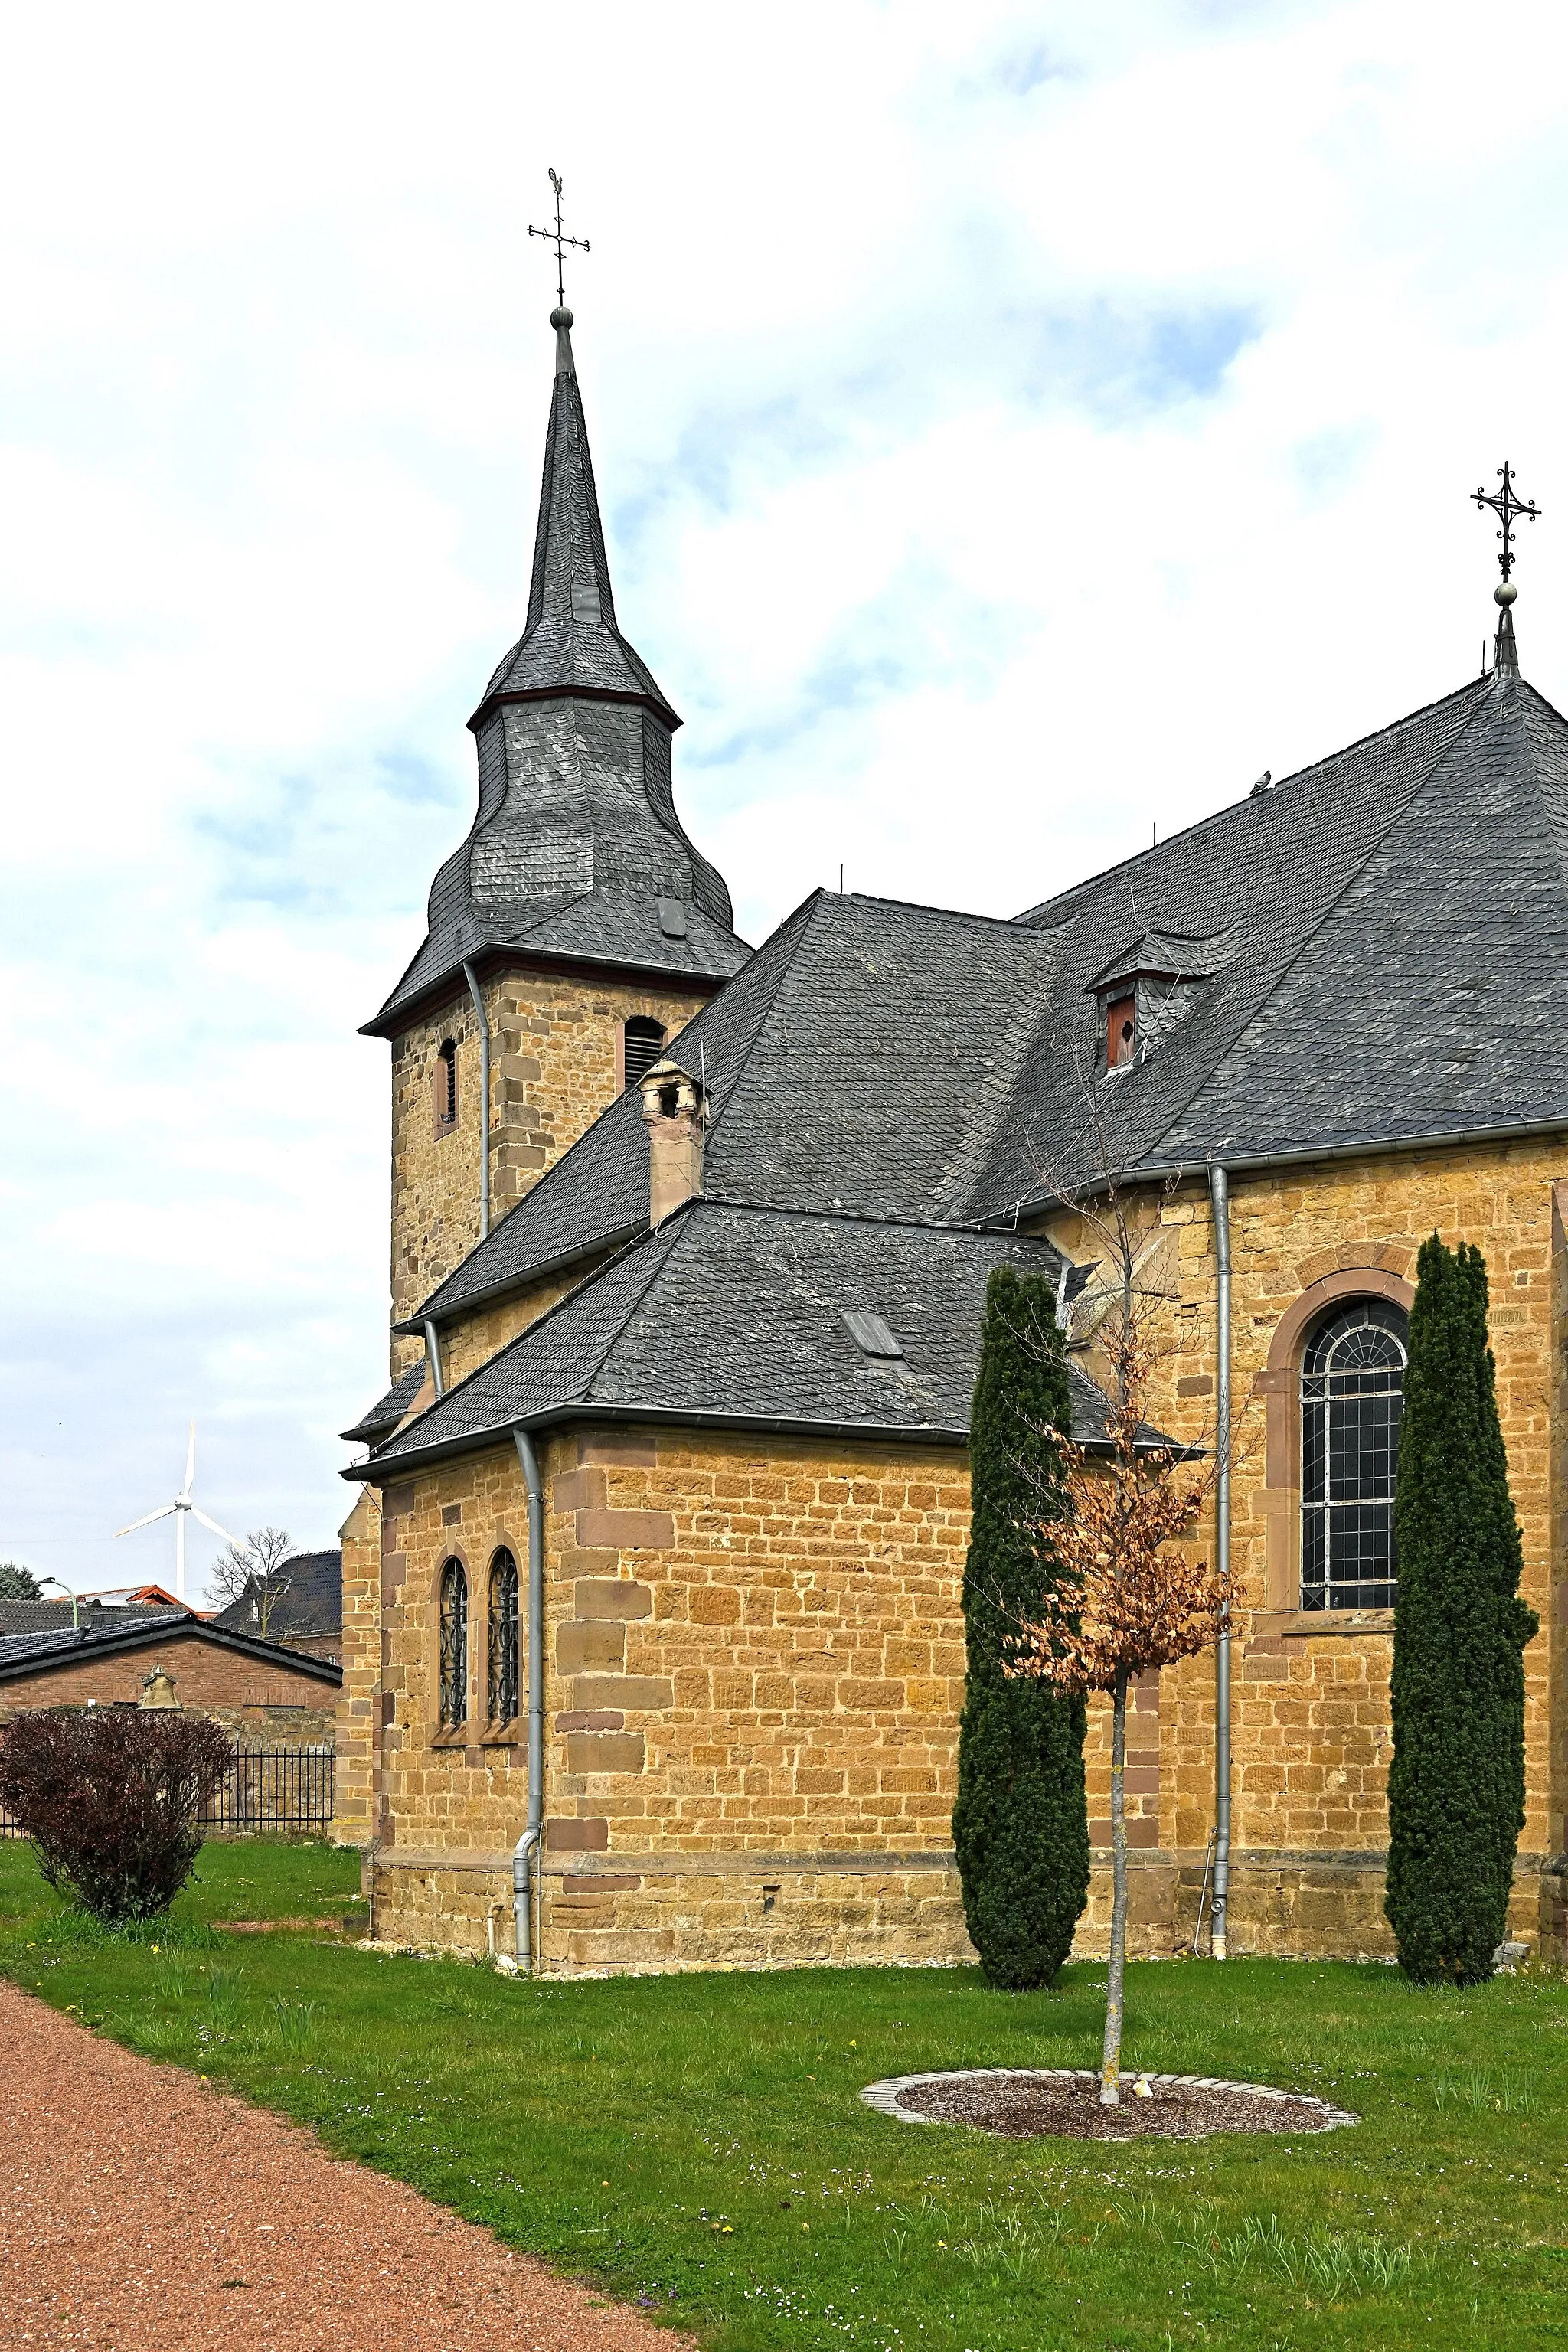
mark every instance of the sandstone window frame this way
{"type": "Point", "coordinates": [444, 1086]}
{"type": "Point", "coordinates": [1357, 1270]}
{"type": "Point", "coordinates": [453, 1646]}
{"type": "Point", "coordinates": [502, 1645]}
{"type": "Point", "coordinates": [1378, 1330]}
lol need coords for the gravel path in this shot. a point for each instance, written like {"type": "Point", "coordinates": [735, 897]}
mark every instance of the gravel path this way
{"type": "Point", "coordinates": [139, 2209]}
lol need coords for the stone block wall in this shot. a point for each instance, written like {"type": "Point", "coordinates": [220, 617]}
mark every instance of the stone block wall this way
{"type": "Point", "coordinates": [755, 1647]}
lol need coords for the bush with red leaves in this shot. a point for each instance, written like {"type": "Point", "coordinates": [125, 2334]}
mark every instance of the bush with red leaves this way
{"type": "Point", "coordinates": [110, 1798]}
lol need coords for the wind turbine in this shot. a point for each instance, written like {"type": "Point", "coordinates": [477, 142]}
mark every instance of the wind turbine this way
{"type": "Point", "coordinates": [180, 1507]}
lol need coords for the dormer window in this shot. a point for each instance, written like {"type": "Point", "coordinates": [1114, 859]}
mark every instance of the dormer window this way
{"type": "Point", "coordinates": [1153, 983]}
{"type": "Point", "coordinates": [446, 1087]}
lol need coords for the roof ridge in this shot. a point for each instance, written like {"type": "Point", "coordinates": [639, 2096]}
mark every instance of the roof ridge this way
{"type": "Point", "coordinates": [1323, 913]}
{"type": "Point", "coordinates": [1476, 689]}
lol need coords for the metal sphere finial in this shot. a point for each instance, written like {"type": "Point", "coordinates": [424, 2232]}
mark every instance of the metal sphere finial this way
{"type": "Point", "coordinates": [1505, 592]}
{"type": "Point", "coordinates": [560, 316]}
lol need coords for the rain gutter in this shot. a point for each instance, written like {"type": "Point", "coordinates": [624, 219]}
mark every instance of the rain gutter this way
{"type": "Point", "coordinates": [526, 1850]}
{"type": "Point", "coordinates": [1219, 1200]}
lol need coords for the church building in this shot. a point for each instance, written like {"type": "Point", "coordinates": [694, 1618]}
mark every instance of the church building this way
{"type": "Point", "coordinates": [653, 1653]}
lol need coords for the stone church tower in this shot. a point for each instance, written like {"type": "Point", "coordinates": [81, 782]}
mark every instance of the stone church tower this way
{"type": "Point", "coordinates": [574, 932]}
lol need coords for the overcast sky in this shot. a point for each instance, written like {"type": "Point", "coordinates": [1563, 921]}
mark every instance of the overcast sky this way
{"type": "Point", "coordinates": [1017, 426]}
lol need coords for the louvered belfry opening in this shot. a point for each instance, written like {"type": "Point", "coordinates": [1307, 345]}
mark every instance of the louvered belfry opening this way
{"type": "Point", "coordinates": [642, 1045]}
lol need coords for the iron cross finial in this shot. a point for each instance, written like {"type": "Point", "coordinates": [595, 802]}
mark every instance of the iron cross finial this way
{"type": "Point", "coordinates": [558, 237]}
{"type": "Point", "coordinates": [1504, 503]}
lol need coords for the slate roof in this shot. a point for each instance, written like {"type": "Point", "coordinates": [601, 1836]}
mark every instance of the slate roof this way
{"type": "Point", "coordinates": [309, 1605]}
{"type": "Point", "coordinates": [734, 1314]}
{"type": "Point", "coordinates": [388, 1411]}
{"type": "Point", "coordinates": [860, 1062]}
{"type": "Point", "coordinates": [1389, 942]}
{"type": "Point", "coordinates": [576, 853]}
{"type": "Point", "coordinates": [23, 1654]}
{"type": "Point", "coordinates": [1374, 954]}
{"type": "Point", "coordinates": [25, 1617]}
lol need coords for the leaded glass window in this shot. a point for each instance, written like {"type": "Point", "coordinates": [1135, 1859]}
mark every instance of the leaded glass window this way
{"type": "Point", "coordinates": [1352, 1383]}
{"type": "Point", "coordinates": [454, 1643]}
{"type": "Point", "coordinates": [502, 1648]}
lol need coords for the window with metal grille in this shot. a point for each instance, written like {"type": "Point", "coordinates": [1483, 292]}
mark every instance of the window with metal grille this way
{"type": "Point", "coordinates": [454, 1645]}
{"type": "Point", "coordinates": [501, 1669]}
{"type": "Point", "coordinates": [1352, 1397]}
{"type": "Point", "coordinates": [446, 1086]}
{"type": "Point", "coordinates": [641, 1046]}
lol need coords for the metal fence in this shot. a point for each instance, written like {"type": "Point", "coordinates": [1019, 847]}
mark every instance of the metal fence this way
{"type": "Point", "coordinates": [262, 1789]}
{"type": "Point", "coordinates": [273, 1788]}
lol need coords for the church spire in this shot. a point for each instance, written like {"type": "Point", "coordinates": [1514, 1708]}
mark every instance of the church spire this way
{"type": "Point", "coordinates": [570, 641]}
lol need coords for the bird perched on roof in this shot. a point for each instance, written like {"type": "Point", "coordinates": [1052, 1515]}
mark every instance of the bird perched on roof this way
{"type": "Point", "coordinates": [1265, 784]}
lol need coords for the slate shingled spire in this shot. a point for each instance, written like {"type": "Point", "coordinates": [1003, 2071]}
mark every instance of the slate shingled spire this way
{"type": "Point", "coordinates": [575, 851]}
{"type": "Point", "coordinates": [571, 638]}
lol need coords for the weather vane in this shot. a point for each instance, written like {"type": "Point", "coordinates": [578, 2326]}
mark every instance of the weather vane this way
{"type": "Point", "coordinates": [1504, 503]}
{"type": "Point", "coordinates": [558, 237]}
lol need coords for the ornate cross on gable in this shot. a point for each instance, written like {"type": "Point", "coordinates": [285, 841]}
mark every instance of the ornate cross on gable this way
{"type": "Point", "coordinates": [558, 237]}
{"type": "Point", "coordinates": [1504, 503]}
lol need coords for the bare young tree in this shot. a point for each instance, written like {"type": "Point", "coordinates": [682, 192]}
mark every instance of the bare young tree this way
{"type": "Point", "coordinates": [249, 1571]}
{"type": "Point", "coordinates": [1128, 1600]}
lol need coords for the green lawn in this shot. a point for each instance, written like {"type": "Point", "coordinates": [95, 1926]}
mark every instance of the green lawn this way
{"type": "Point", "coordinates": [697, 2143]}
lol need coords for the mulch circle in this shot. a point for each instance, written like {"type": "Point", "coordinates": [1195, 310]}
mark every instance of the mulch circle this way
{"type": "Point", "coordinates": [1063, 2102]}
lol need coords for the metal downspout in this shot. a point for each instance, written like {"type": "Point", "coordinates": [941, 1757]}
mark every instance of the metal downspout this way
{"type": "Point", "coordinates": [484, 1100]}
{"type": "Point", "coordinates": [433, 1355]}
{"type": "Point", "coordinates": [1219, 1200]}
{"type": "Point", "coordinates": [525, 1853]}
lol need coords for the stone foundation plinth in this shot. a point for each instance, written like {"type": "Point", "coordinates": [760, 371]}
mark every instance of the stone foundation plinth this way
{"type": "Point", "coordinates": [638, 1915]}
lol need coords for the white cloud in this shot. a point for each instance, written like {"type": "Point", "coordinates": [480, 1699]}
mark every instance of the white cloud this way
{"type": "Point", "coordinates": [1017, 426]}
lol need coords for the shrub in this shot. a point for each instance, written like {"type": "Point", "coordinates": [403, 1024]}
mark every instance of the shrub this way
{"type": "Point", "coordinates": [1456, 1786]}
{"type": "Point", "coordinates": [1020, 1824]}
{"type": "Point", "coordinates": [110, 1798]}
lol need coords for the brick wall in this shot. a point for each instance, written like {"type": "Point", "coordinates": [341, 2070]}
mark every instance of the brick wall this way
{"type": "Point", "coordinates": [554, 1067]}
{"type": "Point", "coordinates": [208, 1679]}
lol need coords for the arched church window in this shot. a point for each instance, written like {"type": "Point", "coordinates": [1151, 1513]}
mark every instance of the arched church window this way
{"type": "Point", "coordinates": [501, 1668]}
{"type": "Point", "coordinates": [642, 1043]}
{"type": "Point", "coordinates": [446, 1086]}
{"type": "Point", "coordinates": [454, 1645]}
{"type": "Point", "coordinates": [1352, 1397]}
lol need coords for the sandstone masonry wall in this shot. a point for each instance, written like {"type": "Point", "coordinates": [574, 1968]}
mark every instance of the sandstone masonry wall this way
{"type": "Point", "coordinates": [756, 1648]}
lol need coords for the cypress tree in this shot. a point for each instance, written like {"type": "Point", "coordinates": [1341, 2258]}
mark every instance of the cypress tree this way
{"type": "Point", "coordinates": [1456, 1787]}
{"type": "Point", "coordinates": [1020, 1824]}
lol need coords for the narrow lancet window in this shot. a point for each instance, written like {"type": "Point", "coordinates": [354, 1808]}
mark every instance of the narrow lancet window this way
{"type": "Point", "coordinates": [454, 1645]}
{"type": "Point", "coordinates": [446, 1087]}
{"type": "Point", "coordinates": [501, 1669]}
{"type": "Point", "coordinates": [1352, 1396]}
